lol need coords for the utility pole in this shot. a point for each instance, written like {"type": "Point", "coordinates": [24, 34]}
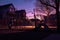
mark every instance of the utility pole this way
{"type": "Point", "coordinates": [36, 27]}
{"type": "Point", "coordinates": [34, 17]}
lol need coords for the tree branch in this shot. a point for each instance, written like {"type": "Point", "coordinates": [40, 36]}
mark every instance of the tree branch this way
{"type": "Point", "coordinates": [47, 4]}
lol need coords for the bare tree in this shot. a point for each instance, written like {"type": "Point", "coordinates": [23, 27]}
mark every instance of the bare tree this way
{"type": "Point", "coordinates": [51, 3]}
{"type": "Point", "coordinates": [44, 8]}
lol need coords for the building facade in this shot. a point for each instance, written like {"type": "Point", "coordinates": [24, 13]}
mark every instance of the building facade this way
{"type": "Point", "coordinates": [6, 13]}
{"type": "Point", "coordinates": [21, 18]}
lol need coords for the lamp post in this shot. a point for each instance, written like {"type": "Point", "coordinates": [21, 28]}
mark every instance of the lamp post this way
{"type": "Point", "coordinates": [36, 27]}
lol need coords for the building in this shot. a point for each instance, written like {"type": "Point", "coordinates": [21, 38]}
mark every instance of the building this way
{"type": "Point", "coordinates": [21, 18]}
{"type": "Point", "coordinates": [21, 14]}
{"type": "Point", "coordinates": [6, 12]}
{"type": "Point", "coordinates": [52, 20]}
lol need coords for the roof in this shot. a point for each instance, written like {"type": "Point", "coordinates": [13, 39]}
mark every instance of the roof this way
{"type": "Point", "coordinates": [20, 11]}
{"type": "Point", "coordinates": [6, 6]}
{"type": "Point", "coordinates": [34, 20]}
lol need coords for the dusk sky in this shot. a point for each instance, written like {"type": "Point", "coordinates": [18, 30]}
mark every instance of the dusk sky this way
{"type": "Point", "coordinates": [28, 5]}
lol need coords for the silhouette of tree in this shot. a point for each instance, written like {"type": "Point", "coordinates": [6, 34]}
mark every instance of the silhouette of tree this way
{"type": "Point", "coordinates": [54, 4]}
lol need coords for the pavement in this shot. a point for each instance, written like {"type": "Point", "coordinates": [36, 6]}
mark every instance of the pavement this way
{"type": "Point", "coordinates": [55, 36]}
{"type": "Point", "coordinates": [17, 34]}
{"type": "Point", "coordinates": [31, 35]}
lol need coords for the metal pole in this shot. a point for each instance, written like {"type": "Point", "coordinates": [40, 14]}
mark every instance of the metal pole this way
{"type": "Point", "coordinates": [35, 19]}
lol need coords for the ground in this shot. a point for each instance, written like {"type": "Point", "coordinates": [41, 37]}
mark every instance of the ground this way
{"type": "Point", "coordinates": [31, 35]}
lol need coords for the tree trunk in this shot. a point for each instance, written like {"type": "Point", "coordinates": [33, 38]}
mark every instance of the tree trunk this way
{"type": "Point", "coordinates": [57, 15]}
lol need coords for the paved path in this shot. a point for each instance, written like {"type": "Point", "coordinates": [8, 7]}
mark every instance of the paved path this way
{"type": "Point", "coordinates": [31, 36]}
{"type": "Point", "coordinates": [55, 36]}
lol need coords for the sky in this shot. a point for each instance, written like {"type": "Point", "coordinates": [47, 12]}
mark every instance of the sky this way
{"type": "Point", "coordinates": [28, 5]}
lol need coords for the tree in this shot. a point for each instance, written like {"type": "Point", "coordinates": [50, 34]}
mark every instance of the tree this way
{"type": "Point", "coordinates": [53, 4]}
